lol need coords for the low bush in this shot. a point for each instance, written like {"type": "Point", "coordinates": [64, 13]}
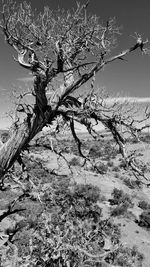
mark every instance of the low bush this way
{"type": "Point", "coordinates": [116, 169]}
{"type": "Point", "coordinates": [101, 168]}
{"type": "Point", "coordinates": [119, 197]}
{"type": "Point", "coordinates": [123, 164]}
{"type": "Point", "coordinates": [81, 198]}
{"type": "Point", "coordinates": [69, 231]}
{"type": "Point", "coordinates": [117, 175]}
{"type": "Point", "coordinates": [120, 210]}
{"type": "Point", "coordinates": [145, 138]}
{"type": "Point", "coordinates": [131, 183]}
{"type": "Point", "coordinates": [95, 152]}
{"type": "Point", "coordinates": [144, 205]}
{"type": "Point", "coordinates": [110, 163]}
{"type": "Point", "coordinates": [122, 200]}
{"type": "Point", "coordinates": [66, 229]}
{"type": "Point", "coordinates": [103, 150]}
{"type": "Point", "coordinates": [126, 257]}
{"type": "Point", "coordinates": [74, 162]}
{"type": "Point", "coordinates": [144, 219]}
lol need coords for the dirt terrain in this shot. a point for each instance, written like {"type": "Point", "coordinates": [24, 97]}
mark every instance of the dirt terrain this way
{"type": "Point", "coordinates": [131, 233]}
{"type": "Point", "coordinates": [112, 175]}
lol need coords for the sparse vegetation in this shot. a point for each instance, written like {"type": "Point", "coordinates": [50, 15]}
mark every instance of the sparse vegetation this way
{"type": "Point", "coordinates": [144, 219]}
{"type": "Point", "coordinates": [117, 175]}
{"type": "Point", "coordinates": [127, 257]}
{"type": "Point", "coordinates": [145, 138]}
{"type": "Point", "coordinates": [131, 183]}
{"type": "Point", "coordinates": [144, 205]}
{"type": "Point", "coordinates": [101, 168]}
{"type": "Point", "coordinates": [74, 162]}
{"type": "Point", "coordinates": [120, 197]}
{"type": "Point", "coordinates": [110, 163]}
{"type": "Point", "coordinates": [116, 169]}
{"type": "Point", "coordinates": [75, 220]}
{"type": "Point", "coordinates": [103, 150]}
{"type": "Point", "coordinates": [120, 209]}
{"type": "Point", "coordinates": [122, 164]}
{"type": "Point", "coordinates": [122, 200]}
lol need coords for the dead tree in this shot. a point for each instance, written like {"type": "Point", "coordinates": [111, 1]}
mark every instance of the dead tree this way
{"type": "Point", "coordinates": [51, 45]}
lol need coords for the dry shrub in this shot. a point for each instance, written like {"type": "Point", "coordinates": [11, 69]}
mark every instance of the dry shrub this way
{"type": "Point", "coordinates": [126, 257]}
{"type": "Point", "coordinates": [144, 205]}
{"type": "Point", "coordinates": [131, 183]}
{"type": "Point", "coordinates": [144, 219]}
{"type": "Point", "coordinates": [74, 162]}
{"type": "Point", "coordinates": [69, 228]}
{"type": "Point", "coordinates": [122, 200]}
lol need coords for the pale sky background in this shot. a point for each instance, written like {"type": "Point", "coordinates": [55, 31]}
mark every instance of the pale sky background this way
{"type": "Point", "coordinates": [129, 78]}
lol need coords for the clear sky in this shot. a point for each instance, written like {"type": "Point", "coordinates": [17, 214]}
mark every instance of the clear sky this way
{"type": "Point", "coordinates": [131, 77]}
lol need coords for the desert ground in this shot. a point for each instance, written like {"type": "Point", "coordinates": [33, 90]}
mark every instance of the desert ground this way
{"type": "Point", "coordinates": [132, 211]}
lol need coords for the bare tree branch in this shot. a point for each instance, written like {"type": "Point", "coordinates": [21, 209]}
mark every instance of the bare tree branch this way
{"type": "Point", "coordinates": [64, 46]}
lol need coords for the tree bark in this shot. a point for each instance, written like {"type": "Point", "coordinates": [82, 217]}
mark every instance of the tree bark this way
{"type": "Point", "coordinates": [24, 133]}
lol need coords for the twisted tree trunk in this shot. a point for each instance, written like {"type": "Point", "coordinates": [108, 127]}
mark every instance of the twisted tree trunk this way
{"type": "Point", "coordinates": [33, 123]}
